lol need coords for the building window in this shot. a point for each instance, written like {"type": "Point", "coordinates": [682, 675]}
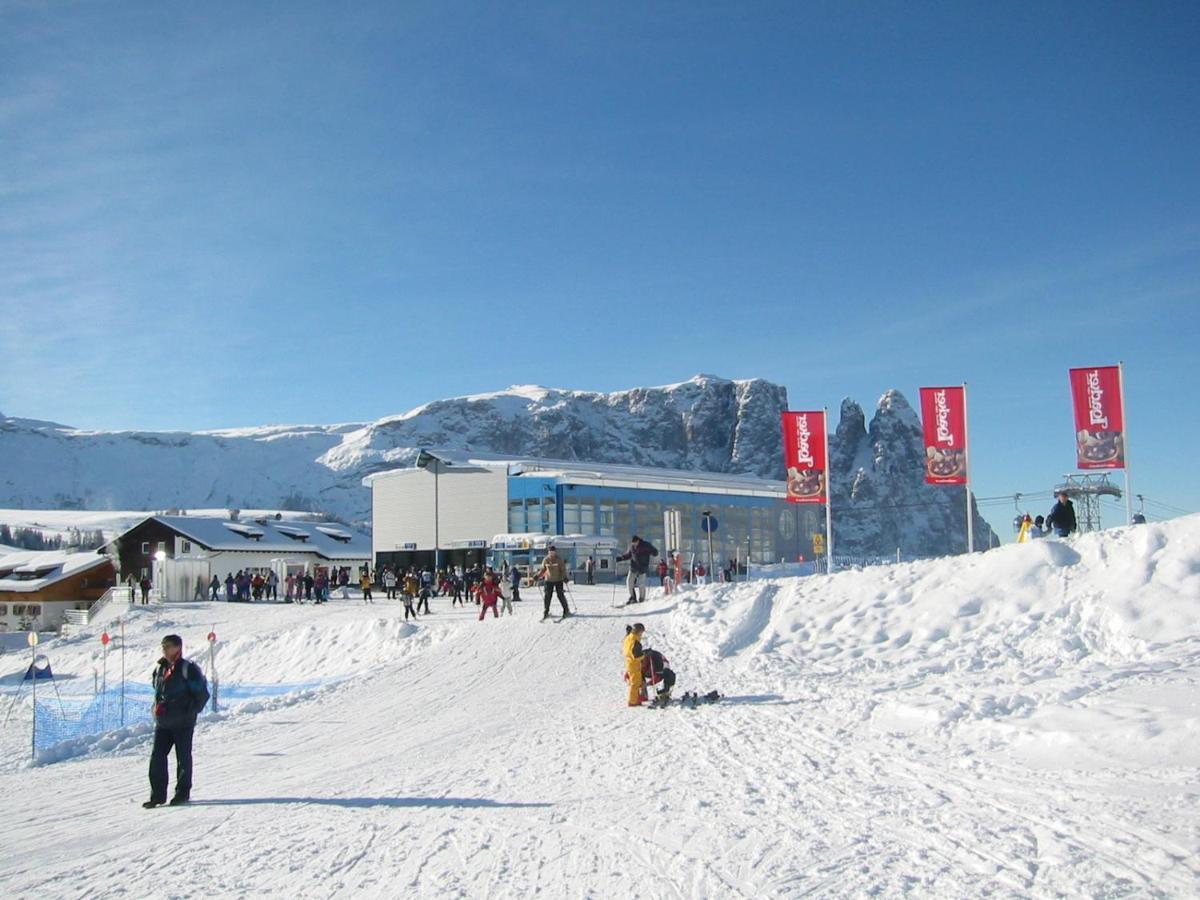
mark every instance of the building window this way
{"type": "Point", "coordinates": [145, 548]}
{"type": "Point", "coordinates": [33, 609]}
{"type": "Point", "coordinates": [3, 609]}
{"type": "Point", "coordinates": [606, 520]}
{"type": "Point", "coordinates": [186, 547]}
{"type": "Point", "coordinates": [18, 609]}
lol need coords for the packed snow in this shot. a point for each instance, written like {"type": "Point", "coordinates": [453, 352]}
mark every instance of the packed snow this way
{"type": "Point", "coordinates": [1021, 722]}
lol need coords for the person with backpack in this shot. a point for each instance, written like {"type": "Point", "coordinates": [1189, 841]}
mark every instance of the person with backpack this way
{"type": "Point", "coordinates": [514, 578]}
{"type": "Point", "coordinates": [180, 692]}
{"type": "Point", "coordinates": [638, 554]}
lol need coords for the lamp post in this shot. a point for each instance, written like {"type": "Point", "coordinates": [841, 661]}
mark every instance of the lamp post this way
{"type": "Point", "coordinates": [437, 467]}
{"type": "Point", "coordinates": [708, 528]}
{"type": "Point", "coordinates": [160, 557]}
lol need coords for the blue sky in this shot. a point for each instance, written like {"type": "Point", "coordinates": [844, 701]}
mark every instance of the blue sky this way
{"type": "Point", "coordinates": [215, 215]}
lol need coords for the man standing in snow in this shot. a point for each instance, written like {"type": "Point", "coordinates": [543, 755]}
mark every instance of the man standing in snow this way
{"type": "Point", "coordinates": [180, 692]}
{"type": "Point", "coordinates": [1062, 516]}
{"type": "Point", "coordinates": [554, 570]}
{"type": "Point", "coordinates": [639, 554]}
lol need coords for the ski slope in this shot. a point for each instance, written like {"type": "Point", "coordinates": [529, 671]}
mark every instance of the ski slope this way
{"type": "Point", "coordinates": [1018, 723]}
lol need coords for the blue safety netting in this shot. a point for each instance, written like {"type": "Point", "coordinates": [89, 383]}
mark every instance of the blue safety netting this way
{"type": "Point", "coordinates": [64, 718]}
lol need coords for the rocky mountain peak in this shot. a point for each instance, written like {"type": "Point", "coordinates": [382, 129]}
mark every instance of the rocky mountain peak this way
{"type": "Point", "coordinates": [706, 423]}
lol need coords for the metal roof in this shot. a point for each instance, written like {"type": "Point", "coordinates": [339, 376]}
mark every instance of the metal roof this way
{"type": "Point", "coordinates": [287, 537]}
{"type": "Point", "coordinates": [583, 472]}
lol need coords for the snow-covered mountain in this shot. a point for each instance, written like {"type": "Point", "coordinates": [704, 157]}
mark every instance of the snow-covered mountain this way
{"type": "Point", "coordinates": [880, 498]}
{"type": "Point", "coordinates": [706, 423]}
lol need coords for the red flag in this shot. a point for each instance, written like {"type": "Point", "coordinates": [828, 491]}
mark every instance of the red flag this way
{"type": "Point", "coordinates": [804, 456]}
{"type": "Point", "coordinates": [944, 416]}
{"type": "Point", "coordinates": [1099, 419]}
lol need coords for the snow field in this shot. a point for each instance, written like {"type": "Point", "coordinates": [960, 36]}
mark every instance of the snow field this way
{"type": "Point", "coordinates": [1017, 723]}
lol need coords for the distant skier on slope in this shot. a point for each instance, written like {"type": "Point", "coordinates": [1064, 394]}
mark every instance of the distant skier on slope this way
{"type": "Point", "coordinates": [489, 593]}
{"type": "Point", "coordinates": [632, 648]}
{"type": "Point", "coordinates": [554, 570]}
{"type": "Point", "coordinates": [638, 554]}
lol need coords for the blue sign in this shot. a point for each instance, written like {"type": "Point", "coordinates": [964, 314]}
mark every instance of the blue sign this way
{"type": "Point", "coordinates": [708, 523]}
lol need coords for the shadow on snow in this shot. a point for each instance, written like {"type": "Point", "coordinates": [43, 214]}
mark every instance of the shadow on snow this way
{"type": "Point", "coordinates": [367, 802]}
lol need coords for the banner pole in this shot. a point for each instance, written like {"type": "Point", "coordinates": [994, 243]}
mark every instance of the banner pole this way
{"type": "Point", "coordinates": [828, 495]}
{"type": "Point", "coordinates": [967, 448]}
{"type": "Point", "coordinates": [1125, 441]}
{"type": "Point", "coordinates": [33, 731]}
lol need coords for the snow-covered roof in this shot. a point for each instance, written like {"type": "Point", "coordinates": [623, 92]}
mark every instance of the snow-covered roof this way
{"type": "Point", "coordinates": [269, 536]}
{"type": "Point", "coordinates": [26, 571]}
{"type": "Point", "coordinates": [607, 474]}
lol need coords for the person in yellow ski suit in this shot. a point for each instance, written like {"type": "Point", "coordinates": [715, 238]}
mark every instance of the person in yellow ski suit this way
{"type": "Point", "coordinates": [633, 663]}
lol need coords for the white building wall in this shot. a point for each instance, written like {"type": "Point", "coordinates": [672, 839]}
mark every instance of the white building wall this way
{"type": "Point", "coordinates": [471, 505]}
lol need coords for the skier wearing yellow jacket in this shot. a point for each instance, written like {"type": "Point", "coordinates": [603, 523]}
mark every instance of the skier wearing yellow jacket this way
{"type": "Point", "coordinates": [633, 663]}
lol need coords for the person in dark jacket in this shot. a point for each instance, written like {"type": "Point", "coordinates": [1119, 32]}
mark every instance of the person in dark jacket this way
{"type": "Point", "coordinates": [180, 692]}
{"type": "Point", "coordinates": [639, 554]}
{"type": "Point", "coordinates": [655, 670]}
{"type": "Point", "coordinates": [1062, 516]}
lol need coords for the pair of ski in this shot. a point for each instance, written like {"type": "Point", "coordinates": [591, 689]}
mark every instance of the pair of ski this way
{"type": "Point", "coordinates": [559, 619]}
{"type": "Point", "coordinates": [689, 699]}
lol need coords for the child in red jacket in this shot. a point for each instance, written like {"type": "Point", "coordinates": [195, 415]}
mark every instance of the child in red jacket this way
{"type": "Point", "coordinates": [489, 593]}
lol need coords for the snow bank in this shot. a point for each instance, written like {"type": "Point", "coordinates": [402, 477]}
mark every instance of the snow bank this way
{"type": "Point", "coordinates": [1066, 635]}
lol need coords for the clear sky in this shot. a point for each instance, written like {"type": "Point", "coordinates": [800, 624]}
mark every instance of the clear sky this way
{"type": "Point", "coordinates": [214, 215]}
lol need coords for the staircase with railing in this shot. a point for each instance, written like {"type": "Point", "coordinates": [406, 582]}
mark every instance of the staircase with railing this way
{"type": "Point", "coordinates": [75, 619]}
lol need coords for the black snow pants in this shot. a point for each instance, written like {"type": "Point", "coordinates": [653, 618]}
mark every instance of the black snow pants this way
{"type": "Point", "coordinates": [179, 737]}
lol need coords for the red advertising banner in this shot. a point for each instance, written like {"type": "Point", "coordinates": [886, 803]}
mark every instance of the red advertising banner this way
{"type": "Point", "coordinates": [944, 416]}
{"type": "Point", "coordinates": [1099, 419]}
{"type": "Point", "coordinates": [804, 456]}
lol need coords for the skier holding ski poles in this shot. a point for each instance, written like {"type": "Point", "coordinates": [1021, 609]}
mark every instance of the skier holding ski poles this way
{"type": "Point", "coordinates": [639, 554]}
{"type": "Point", "coordinates": [554, 570]}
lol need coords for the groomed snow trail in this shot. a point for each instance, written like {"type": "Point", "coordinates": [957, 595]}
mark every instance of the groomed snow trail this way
{"type": "Point", "coordinates": [498, 758]}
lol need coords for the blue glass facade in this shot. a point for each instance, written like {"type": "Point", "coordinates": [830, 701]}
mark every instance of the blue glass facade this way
{"type": "Point", "coordinates": [770, 529]}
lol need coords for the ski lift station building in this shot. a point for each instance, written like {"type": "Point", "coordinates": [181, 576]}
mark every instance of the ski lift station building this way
{"type": "Point", "coordinates": [466, 507]}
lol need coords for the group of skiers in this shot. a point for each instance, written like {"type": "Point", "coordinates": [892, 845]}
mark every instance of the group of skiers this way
{"type": "Point", "coordinates": [303, 587]}
{"type": "Point", "coordinates": [482, 584]}
{"type": "Point", "coordinates": [1061, 522]}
